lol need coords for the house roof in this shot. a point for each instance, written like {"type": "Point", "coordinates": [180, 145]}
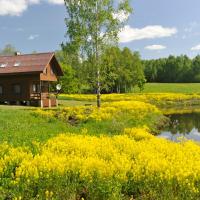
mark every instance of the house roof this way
{"type": "Point", "coordinates": [27, 63]}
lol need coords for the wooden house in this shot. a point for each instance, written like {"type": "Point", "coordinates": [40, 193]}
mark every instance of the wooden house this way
{"type": "Point", "coordinates": [26, 79]}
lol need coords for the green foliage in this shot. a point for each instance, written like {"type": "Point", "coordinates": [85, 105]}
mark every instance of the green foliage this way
{"type": "Point", "coordinates": [180, 69]}
{"type": "Point", "coordinates": [8, 50]}
{"type": "Point", "coordinates": [69, 81]}
{"type": "Point", "coordinates": [196, 69]}
{"type": "Point", "coordinates": [121, 70]}
{"type": "Point", "coordinates": [93, 23]}
{"type": "Point", "coordinates": [91, 26]}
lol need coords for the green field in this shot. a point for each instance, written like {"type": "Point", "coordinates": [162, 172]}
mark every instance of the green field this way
{"type": "Point", "coordinates": [19, 126]}
{"type": "Point", "coordinates": [171, 87]}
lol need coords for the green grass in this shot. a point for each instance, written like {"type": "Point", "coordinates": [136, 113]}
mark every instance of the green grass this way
{"type": "Point", "coordinates": [171, 88]}
{"type": "Point", "coordinates": [64, 102]}
{"type": "Point", "coordinates": [19, 126]}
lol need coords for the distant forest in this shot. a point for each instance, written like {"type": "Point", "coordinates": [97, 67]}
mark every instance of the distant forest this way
{"type": "Point", "coordinates": [174, 69]}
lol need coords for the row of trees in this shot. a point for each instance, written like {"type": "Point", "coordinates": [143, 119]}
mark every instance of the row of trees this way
{"type": "Point", "coordinates": [174, 69]}
{"type": "Point", "coordinates": [121, 70]}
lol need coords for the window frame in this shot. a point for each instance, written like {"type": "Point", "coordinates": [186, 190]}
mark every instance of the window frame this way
{"type": "Point", "coordinates": [20, 89]}
{"type": "Point", "coordinates": [37, 88]}
{"type": "Point", "coordinates": [1, 90]}
{"type": "Point", "coordinates": [52, 72]}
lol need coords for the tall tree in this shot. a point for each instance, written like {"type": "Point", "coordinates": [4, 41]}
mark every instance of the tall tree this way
{"type": "Point", "coordinates": [121, 70]}
{"type": "Point", "coordinates": [196, 69]}
{"type": "Point", "coordinates": [92, 25]}
{"type": "Point", "coordinates": [8, 50]}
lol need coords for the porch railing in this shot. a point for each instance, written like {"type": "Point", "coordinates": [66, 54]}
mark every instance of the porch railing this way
{"type": "Point", "coordinates": [39, 96]}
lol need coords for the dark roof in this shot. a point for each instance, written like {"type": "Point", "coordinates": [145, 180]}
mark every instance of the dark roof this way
{"type": "Point", "coordinates": [28, 63]}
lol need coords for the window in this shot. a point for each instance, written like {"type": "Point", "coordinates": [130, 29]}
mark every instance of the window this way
{"type": "Point", "coordinates": [2, 65]}
{"type": "Point", "coordinates": [17, 64]}
{"type": "Point", "coordinates": [1, 89]}
{"type": "Point", "coordinates": [36, 88]}
{"type": "Point", "coordinates": [17, 89]}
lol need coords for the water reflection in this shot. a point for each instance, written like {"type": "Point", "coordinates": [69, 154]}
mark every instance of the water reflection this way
{"type": "Point", "coordinates": [187, 125]}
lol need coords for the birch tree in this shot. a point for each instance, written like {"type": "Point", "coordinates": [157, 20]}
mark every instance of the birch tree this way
{"type": "Point", "coordinates": [92, 25]}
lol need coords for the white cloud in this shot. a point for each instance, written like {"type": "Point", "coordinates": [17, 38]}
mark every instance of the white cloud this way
{"type": "Point", "coordinates": [196, 48]}
{"type": "Point", "coordinates": [155, 47]}
{"type": "Point", "coordinates": [129, 34]}
{"type": "Point", "coordinates": [33, 37]}
{"type": "Point", "coordinates": [17, 7]}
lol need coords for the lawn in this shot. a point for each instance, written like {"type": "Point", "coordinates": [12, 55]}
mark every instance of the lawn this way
{"type": "Point", "coordinates": [19, 126]}
{"type": "Point", "coordinates": [171, 88]}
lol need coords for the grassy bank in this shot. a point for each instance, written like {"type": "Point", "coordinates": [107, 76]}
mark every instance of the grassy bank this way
{"type": "Point", "coordinates": [171, 88]}
{"type": "Point", "coordinates": [19, 126]}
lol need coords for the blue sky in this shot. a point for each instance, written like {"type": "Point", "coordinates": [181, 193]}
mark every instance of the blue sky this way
{"type": "Point", "coordinates": [157, 28]}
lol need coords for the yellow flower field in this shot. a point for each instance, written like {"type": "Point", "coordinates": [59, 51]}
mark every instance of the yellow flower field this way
{"type": "Point", "coordinates": [155, 98]}
{"type": "Point", "coordinates": [107, 166]}
{"type": "Point", "coordinates": [107, 111]}
{"type": "Point", "coordinates": [130, 164]}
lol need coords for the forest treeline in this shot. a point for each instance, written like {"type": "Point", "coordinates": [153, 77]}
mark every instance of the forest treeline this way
{"type": "Point", "coordinates": [174, 69]}
{"type": "Point", "coordinates": [122, 70]}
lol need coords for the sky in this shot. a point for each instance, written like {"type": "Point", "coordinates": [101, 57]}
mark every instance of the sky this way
{"type": "Point", "coordinates": [157, 28]}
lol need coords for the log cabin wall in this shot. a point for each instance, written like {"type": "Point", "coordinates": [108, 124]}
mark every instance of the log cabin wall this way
{"type": "Point", "coordinates": [25, 81]}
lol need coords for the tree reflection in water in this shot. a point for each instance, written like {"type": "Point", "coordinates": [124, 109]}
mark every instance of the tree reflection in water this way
{"type": "Point", "coordinates": [187, 125]}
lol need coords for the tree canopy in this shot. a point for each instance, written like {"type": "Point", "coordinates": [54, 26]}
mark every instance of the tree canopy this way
{"type": "Point", "coordinates": [8, 50]}
{"type": "Point", "coordinates": [91, 26]}
{"type": "Point", "coordinates": [121, 70]}
{"type": "Point", "coordinates": [174, 69]}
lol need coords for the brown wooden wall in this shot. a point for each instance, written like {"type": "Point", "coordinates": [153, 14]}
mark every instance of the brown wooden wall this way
{"type": "Point", "coordinates": [49, 76]}
{"type": "Point", "coordinates": [25, 81]}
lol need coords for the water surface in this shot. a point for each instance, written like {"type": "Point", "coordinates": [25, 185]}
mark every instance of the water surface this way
{"type": "Point", "coordinates": [182, 125]}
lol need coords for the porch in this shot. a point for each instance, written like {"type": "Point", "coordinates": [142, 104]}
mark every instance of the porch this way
{"type": "Point", "coordinates": [41, 93]}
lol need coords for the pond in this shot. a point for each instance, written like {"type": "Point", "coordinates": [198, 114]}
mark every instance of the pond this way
{"type": "Point", "coordinates": [182, 125]}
